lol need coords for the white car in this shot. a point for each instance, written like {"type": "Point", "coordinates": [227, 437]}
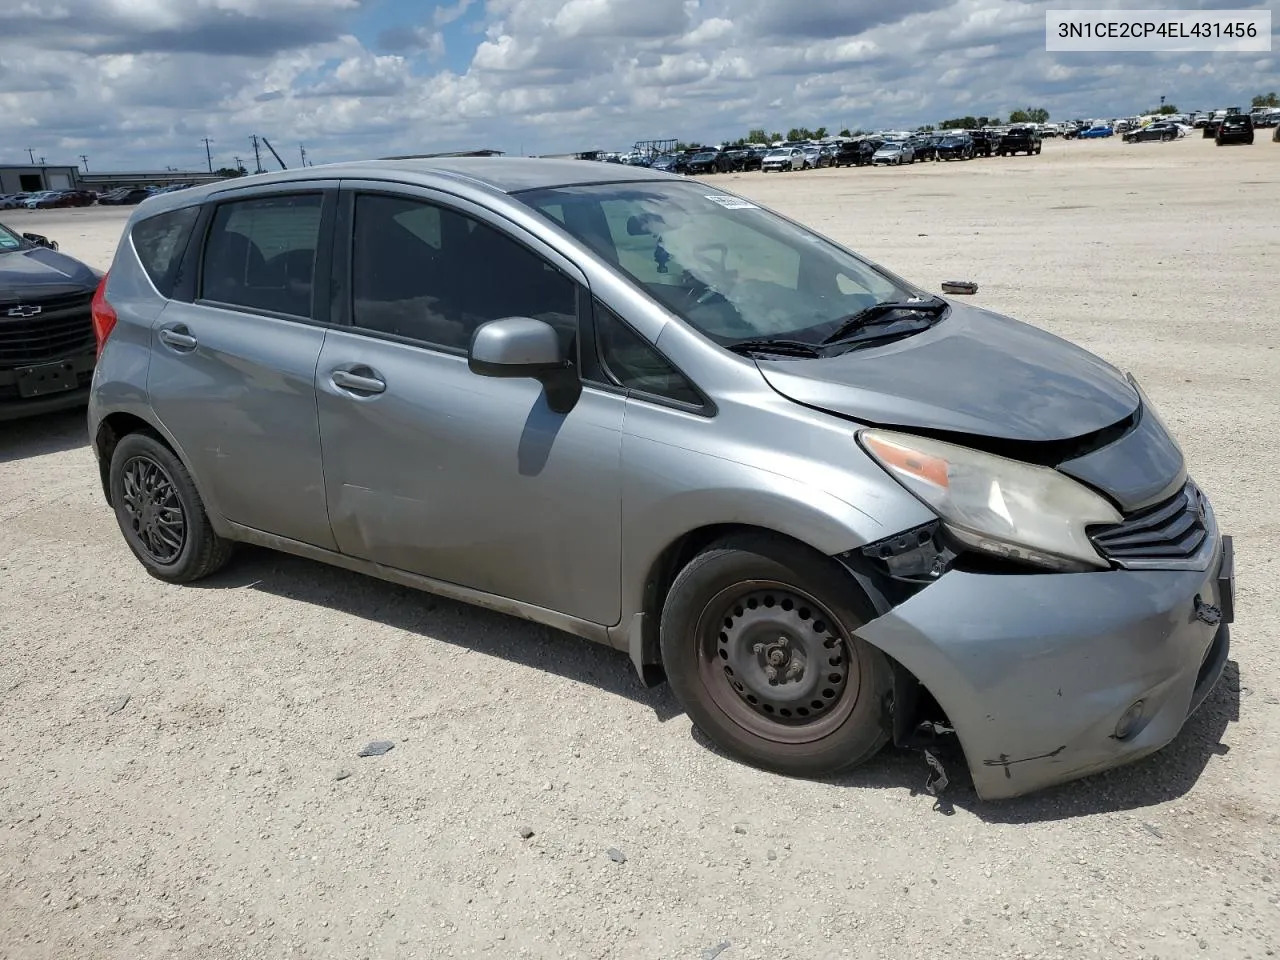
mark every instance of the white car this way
{"type": "Point", "coordinates": [893, 153]}
{"type": "Point", "coordinates": [784, 158]}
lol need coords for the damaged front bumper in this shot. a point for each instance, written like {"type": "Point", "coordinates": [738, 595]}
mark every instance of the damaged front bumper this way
{"type": "Point", "coordinates": [1050, 677]}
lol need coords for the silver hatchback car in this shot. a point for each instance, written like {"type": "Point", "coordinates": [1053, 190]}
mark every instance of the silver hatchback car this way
{"type": "Point", "coordinates": [830, 509]}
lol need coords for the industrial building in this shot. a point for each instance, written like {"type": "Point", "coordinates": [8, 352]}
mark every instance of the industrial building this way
{"type": "Point", "coordinates": [30, 177]}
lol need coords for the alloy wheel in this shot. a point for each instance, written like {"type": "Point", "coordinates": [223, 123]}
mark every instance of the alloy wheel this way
{"type": "Point", "coordinates": [153, 510]}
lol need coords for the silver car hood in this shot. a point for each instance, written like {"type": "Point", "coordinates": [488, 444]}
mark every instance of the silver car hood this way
{"type": "Point", "coordinates": [974, 372]}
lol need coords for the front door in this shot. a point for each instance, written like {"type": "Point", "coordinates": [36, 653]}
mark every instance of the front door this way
{"type": "Point", "coordinates": [435, 470]}
{"type": "Point", "coordinates": [232, 374]}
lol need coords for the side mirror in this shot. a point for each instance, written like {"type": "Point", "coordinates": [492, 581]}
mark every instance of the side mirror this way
{"type": "Point", "coordinates": [524, 347]}
{"type": "Point", "coordinates": [40, 241]}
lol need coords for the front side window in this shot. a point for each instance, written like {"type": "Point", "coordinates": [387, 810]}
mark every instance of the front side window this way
{"type": "Point", "coordinates": [636, 364]}
{"type": "Point", "coordinates": [433, 274]}
{"type": "Point", "coordinates": [8, 239]}
{"type": "Point", "coordinates": [261, 253]}
{"type": "Point", "coordinates": [726, 267]}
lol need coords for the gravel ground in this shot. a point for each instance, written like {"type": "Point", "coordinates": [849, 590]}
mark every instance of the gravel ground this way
{"type": "Point", "coordinates": [178, 766]}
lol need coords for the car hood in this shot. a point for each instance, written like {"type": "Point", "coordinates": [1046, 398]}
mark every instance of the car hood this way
{"type": "Point", "coordinates": [39, 271]}
{"type": "Point", "coordinates": [974, 372]}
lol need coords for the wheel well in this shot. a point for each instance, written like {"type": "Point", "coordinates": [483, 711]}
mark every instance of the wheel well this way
{"type": "Point", "coordinates": [663, 572]}
{"type": "Point", "coordinates": [912, 701]}
{"type": "Point", "coordinates": [114, 428]}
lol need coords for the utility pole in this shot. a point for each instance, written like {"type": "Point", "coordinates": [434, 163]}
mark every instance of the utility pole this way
{"type": "Point", "coordinates": [238, 165]}
{"type": "Point", "coordinates": [85, 161]}
{"type": "Point", "coordinates": [31, 156]}
{"type": "Point", "coordinates": [257, 157]}
{"type": "Point", "coordinates": [207, 154]}
{"type": "Point", "coordinates": [42, 161]}
{"type": "Point", "coordinates": [303, 151]}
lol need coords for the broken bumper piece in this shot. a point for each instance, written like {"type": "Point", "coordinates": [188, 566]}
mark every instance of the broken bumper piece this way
{"type": "Point", "coordinates": [1050, 677]}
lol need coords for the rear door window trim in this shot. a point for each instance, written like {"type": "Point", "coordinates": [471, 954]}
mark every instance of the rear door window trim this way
{"type": "Point", "coordinates": [321, 276]}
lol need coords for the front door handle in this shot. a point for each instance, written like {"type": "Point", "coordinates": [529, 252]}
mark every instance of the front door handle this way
{"type": "Point", "coordinates": [346, 380]}
{"type": "Point", "coordinates": [178, 338]}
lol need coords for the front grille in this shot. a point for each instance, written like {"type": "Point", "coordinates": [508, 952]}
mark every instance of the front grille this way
{"type": "Point", "coordinates": [1172, 530]}
{"type": "Point", "coordinates": [63, 328]}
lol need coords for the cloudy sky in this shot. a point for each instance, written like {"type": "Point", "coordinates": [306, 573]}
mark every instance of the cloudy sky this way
{"type": "Point", "coordinates": [138, 83]}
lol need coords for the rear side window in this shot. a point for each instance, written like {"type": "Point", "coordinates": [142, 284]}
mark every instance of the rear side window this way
{"type": "Point", "coordinates": [160, 242]}
{"type": "Point", "coordinates": [261, 254]}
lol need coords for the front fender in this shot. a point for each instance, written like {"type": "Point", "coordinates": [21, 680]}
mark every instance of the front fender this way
{"type": "Point", "coordinates": [671, 491]}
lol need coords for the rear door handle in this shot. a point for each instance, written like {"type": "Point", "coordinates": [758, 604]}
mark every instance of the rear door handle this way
{"type": "Point", "coordinates": [178, 338]}
{"type": "Point", "coordinates": [346, 380]}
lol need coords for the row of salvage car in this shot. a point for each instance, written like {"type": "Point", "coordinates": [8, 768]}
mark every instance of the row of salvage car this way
{"type": "Point", "coordinates": [873, 150]}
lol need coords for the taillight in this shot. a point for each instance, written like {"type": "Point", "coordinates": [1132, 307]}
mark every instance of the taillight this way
{"type": "Point", "coordinates": [104, 315]}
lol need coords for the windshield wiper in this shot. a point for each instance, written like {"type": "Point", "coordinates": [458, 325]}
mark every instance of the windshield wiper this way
{"type": "Point", "coordinates": [778, 345]}
{"type": "Point", "coordinates": [876, 312]}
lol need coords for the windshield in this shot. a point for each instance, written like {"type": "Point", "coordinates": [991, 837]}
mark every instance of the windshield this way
{"type": "Point", "coordinates": [728, 268]}
{"type": "Point", "coordinates": [9, 240]}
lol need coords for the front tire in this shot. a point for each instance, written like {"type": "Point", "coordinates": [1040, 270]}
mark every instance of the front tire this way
{"type": "Point", "coordinates": [758, 644]}
{"type": "Point", "coordinates": [160, 512]}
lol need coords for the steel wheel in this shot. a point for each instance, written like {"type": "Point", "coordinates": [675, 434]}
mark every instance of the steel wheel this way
{"type": "Point", "coordinates": [154, 511]}
{"type": "Point", "coordinates": [776, 662]}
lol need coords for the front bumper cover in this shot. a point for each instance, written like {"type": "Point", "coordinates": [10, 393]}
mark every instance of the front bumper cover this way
{"type": "Point", "coordinates": [1035, 671]}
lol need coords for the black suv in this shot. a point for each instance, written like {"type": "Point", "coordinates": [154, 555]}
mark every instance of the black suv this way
{"type": "Point", "coordinates": [1019, 139]}
{"type": "Point", "coordinates": [985, 142]}
{"type": "Point", "coordinates": [710, 161]}
{"type": "Point", "coordinates": [1236, 128]}
{"type": "Point", "coordinates": [47, 342]}
{"type": "Point", "coordinates": [954, 146]}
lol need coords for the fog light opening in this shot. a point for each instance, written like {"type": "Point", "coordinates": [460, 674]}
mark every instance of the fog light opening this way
{"type": "Point", "coordinates": [1130, 720]}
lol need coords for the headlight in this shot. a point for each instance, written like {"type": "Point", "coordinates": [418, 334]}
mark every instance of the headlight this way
{"type": "Point", "coordinates": [999, 506]}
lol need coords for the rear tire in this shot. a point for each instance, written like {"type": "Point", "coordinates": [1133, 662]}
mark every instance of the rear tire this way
{"type": "Point", "coordinates": [160, 513]}
{"type": "Point", "coordinates": [758, 645]}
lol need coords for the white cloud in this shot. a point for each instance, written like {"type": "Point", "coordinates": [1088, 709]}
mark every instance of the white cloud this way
{"type": "Point", "coordinates": [139, 82]}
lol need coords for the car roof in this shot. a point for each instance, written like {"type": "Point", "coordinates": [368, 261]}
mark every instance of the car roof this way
{"type": "Point", "coordinates": [503, 175]}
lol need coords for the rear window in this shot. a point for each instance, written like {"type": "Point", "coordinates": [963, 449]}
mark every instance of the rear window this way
{"type": "Point", "coordinates": [161, 241]}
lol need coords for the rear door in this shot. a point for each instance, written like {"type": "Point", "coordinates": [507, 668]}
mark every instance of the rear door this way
{"type": "Point", "coordinates": [233, 363]}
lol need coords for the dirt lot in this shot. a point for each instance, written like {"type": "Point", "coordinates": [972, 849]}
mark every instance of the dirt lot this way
{"type": "Point", "coordinates": [204, 817]}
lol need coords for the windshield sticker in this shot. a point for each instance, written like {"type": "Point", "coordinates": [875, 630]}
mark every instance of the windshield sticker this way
{"type": "Point", "coordinates": [731, 203]}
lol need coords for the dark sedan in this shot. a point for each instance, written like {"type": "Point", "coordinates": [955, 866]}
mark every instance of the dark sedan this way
{"type": "Point", "coordinates": [47, 345]}
{"type": "Point", "coordinates": [124, 196]}
{"type": "Point", "coordinates": [1153, 131]}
